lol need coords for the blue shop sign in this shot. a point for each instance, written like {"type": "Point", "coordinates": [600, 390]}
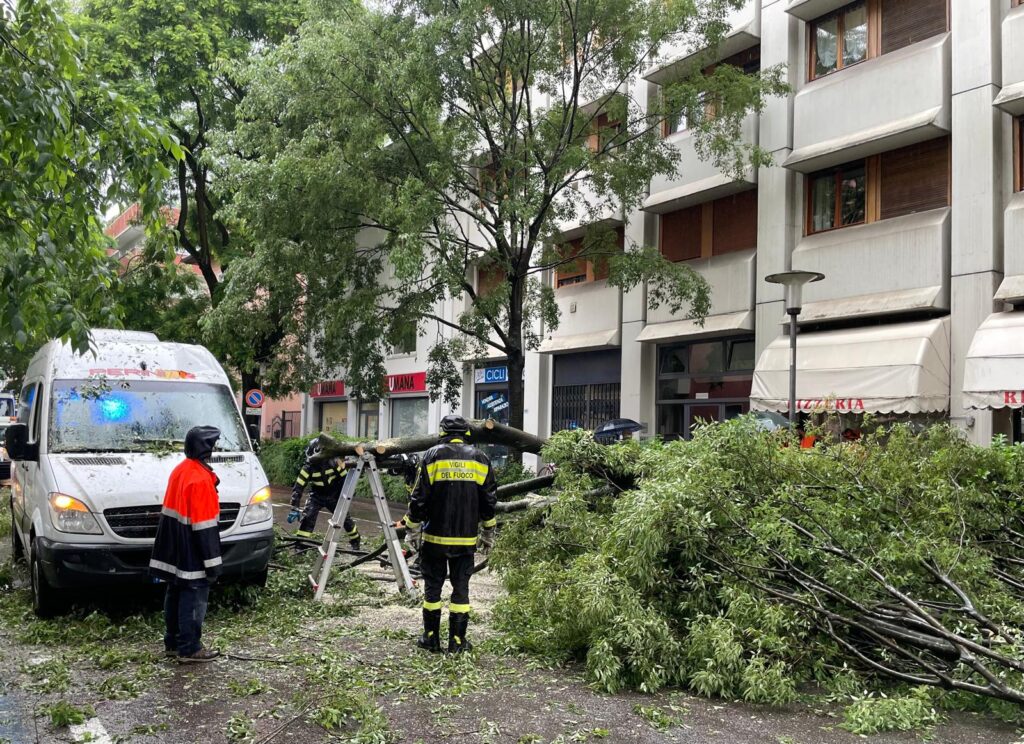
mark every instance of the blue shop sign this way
{"type": "Point", "coordinates": [490, 375]}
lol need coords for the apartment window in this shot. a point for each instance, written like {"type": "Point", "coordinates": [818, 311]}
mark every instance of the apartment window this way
{"type": "Point", "coordinates": [865, 29]}
{"type": "Point", "coordinates": [584, 270]}
{"type": "Point", "coordinates": [405, 339]}
{"type": "Point", "coordinates": [837, 197]}
{"type": "Point", "coordinates": [895, 183]}
{"type": "Point", "coordinates": [1018, 152]}
{"type": "Point", "coordinates": [714, 228]}
{"type": "Point", "coordinates": [604, 130]}
{"type": "Point", "coordinates": [488, 278]}
{"type": "Point", "coordinates": [839, 40]}
{"type": "Point", "coordinates": [749, 61]}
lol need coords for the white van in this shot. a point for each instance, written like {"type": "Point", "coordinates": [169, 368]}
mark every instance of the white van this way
{"type": "Point", "coordinates": [94, 444]}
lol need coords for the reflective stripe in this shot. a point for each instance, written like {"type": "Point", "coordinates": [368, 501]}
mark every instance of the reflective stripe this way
{"type": "Point", "coordinates": [352, 532]}
{"type": "Point", "coordinates": [457, 608]}
{"type": "Point", "coordinates": [439, 540]}
{"type": "Point", "coordinates": [303, 473]}
{"type": "Point", "coordinates": [169, 512]}
{"type": "Point", "coordinates": [213, 562]}
{"type": "Point", "coordinates": [490, 523]}
{"type": "Point", "coordinates": [303, 533]}
{"type": "Point", "coordinates": [318, 483]}
{"type": "Point", "coordinates": [431, 605]}
{"type": "Point", "coordinates": [204, 525]}
{"type": "Point", "coordinates": [457, 470]}
{"type": "Point", "coordinates": [168, 568]}
{"type": "Point", "coordinates": [409, 523]}
{"type": "Point", "coordinates": [300, 481]}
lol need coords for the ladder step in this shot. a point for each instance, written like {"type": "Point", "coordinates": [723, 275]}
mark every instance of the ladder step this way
{"type": "Point", "coordinates": [322, 552]}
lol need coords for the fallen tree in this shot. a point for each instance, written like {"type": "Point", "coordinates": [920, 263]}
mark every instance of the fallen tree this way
{"type": "Point", "coordinates": [741, 567]}
{"type": "Point", "coordinates": [480, 432]}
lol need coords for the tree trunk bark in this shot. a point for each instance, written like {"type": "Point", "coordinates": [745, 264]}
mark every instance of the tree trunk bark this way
{"type": "Point", "coordinates": [481, 432]}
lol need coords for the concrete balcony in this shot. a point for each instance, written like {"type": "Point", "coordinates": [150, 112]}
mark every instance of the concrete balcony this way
{"type": "Point", "coordinates": [1011, 98]}
{"type": "Point", "coordinates": [676, 60]}
{"type": "Point", "coordinates": [698, 180]}
{"type": "Point", "coordinates": [581, 206]}
{"type": "Point", "coordinates": [590, 317]}
{"type": "Point", "coordinates": [1012, 287]}
{"type": "Point", "coordinates": [731, 278]}
{"type": "Point", "coordinates": [898, 265]}
{"type": "Point", "coordinates": [881, 104]}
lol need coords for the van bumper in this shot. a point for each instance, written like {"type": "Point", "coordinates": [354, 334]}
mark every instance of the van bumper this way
{"type": "Point", "coordinates": [72, 566]}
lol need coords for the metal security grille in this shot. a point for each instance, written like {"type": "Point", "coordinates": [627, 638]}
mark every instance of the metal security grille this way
{"type": "Point", "coordinates": [141, 521]}
{"type": "Point", "coordinates": [584, 406]}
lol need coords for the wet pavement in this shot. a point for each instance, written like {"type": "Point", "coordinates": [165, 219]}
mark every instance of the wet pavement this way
{"type": "Point", "coordinates": [292, 668]}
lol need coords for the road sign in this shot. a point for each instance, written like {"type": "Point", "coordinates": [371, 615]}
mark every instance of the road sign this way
{"type": "Point", "coordinates": [249, 411]}
{"type": "Point", "coordinates": [254, 398]}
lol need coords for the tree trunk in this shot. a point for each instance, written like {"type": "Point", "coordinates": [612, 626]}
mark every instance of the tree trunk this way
{"type": "Point", "coordinates": [481, 432]}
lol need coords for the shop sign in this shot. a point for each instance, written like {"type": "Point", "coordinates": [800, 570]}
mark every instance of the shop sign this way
{"type": "Point", "coordinates": [414, 382]}
{"type": "Point", "coordinates": [1013, 397]}
{"type": "Point", "coordinates": [494, 402]}
{"type": "Point", "coordinates": [328, 388]}
{"type": "Point", "coordinates": [490, 375]}
{"type": "Point", "coordinates": [830, 404]}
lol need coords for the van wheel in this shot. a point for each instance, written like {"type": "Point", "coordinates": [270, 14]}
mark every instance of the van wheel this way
{"type": "Point", "coordinates": [17, 550]}
{"type": "Point", "coordinates": [45, 600]}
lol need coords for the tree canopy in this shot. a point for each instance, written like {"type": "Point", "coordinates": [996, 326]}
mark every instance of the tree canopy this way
{"type": "Point", "coordinates": [388, 154]}
{"type": "Point", "coordinates": [63, 163]}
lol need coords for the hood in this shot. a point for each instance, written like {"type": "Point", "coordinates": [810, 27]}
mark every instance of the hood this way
{"type": "Point", "coordinates": [140, 479]}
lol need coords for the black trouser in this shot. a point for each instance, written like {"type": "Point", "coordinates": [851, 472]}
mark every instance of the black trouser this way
{"type": "Point", "coordinates": [438, 563]}
{"type": "Point", "coordinates": [313, 506]}
{"type": "Point", "coordinates": [184, 612]}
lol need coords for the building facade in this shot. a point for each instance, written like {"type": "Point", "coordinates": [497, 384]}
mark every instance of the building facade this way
{"type": "Point", "coordinates": [897, 172]}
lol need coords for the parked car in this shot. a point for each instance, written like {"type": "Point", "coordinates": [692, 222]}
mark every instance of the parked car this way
{"type": "Point", "coordinates": [95, 441]}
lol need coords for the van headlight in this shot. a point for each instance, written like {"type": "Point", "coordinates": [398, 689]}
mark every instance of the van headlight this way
{"type": "Point", "coordinates": [259, 508]}
{"type": "Point", "coordinates": [68, 514]}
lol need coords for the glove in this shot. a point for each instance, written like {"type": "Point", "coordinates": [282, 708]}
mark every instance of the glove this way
{"type": "Point", "coordinates": [293, 516]}
{"type": "Point", "coordinates": [486, 541]}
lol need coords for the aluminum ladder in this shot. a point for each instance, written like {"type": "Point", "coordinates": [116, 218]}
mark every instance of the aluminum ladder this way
{"type": "Point", "coordinates": [325, 553]}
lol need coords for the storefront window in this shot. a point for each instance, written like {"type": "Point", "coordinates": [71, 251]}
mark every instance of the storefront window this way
{"type": "Point", "coordinates": [334, 417]}
{"type": "Point", "coordinates": [703, 381]}
{"type": "Point", "coordinates": [408, 416]}
{"type": "Point", "coordinates": [369, 419]}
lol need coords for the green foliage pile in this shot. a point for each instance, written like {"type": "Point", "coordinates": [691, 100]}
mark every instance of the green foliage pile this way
{"type": "Point", "coordinates": [282, 459]}
{"type": "Point", "coordinates": [744, 567]}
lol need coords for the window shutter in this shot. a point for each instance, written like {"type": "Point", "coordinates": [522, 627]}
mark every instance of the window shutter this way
{"type": "Point", "coordinates": [905, 22]}
{"type": "Point", "coordinates": [735, 223]}
{"type": "Point", "coordinates": [600, 263]}
{"type": "Point", "coordinates": [914, 178]}
{"type": "Point", "coordinates": [488, 278]}
{"type": "Point", "coordinates": [680, 234]}
{"type": "Point", "coordinates": [572, 270]}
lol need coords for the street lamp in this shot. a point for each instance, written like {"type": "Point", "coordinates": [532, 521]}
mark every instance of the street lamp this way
{"type": "Point", "coordinates": [794, 282]}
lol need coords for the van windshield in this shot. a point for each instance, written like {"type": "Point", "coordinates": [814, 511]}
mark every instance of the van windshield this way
{"type": "Point", "coordinates": [140, 415]}
{"type": "Point", "coordinates": [6, 405]}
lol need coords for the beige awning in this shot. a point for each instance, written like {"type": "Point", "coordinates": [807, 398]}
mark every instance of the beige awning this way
{"type": "Point", "coordinates": [994, 368]}
{"type": "Point", "coordinates": [897, 368]}
{"type": "Point", "coordinates": [580, 342]}
{"type": "Point", "coordinates": [714, 325]}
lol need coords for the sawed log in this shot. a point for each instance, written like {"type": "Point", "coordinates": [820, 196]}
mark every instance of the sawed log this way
{"type": "Point", "coordinates": [481, 432]}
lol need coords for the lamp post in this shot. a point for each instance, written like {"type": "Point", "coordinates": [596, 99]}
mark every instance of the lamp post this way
{"type": "Point", "coordinates": [794, 282]}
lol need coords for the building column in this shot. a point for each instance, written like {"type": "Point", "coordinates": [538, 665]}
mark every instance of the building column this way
{"type": "Point", "coordinates": [976, 242]}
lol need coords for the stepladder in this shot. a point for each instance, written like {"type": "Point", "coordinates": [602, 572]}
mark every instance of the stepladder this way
{"type": "Point", "coordinates": [364, 464]}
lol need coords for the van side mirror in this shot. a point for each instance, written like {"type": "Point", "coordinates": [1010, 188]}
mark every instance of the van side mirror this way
{"type": "Point", "coordinates": [17, 445]}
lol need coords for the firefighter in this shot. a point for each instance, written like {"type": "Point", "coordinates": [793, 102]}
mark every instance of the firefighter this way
{"type": "Point", "coordinates": [453, 498]}
{"type": "Point", "coordinates": [325, 479]}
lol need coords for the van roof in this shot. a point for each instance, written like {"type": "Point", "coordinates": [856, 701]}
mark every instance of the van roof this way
{"type": "Point", "coordinates": [127, 355]}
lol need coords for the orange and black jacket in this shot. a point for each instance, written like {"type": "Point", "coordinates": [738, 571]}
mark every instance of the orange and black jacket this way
{"type": "Point", "coordinates": [454, 496]}
{"type": "Point", "coordinates": [187, 546]}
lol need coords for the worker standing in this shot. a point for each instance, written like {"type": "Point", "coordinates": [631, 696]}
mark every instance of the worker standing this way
{"type": "Point", "coordinates": [325, 478]}
{"type": "Point", "coordinates": [454, 496]}
{"type": "Point", "coordinates": [186, 552]}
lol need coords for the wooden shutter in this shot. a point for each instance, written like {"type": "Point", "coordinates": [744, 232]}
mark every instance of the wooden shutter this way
{"type": "Point", "coordinates": [914, 178]}
{"type": "Point", "coordinates": [488, 278]}
{"type": "Point", "coordinates": [600, 263]}
{"type": "Point", "coordinates": [905, 22]}
{"type": "Point", "coordinates": [573, 272]}
{"type": "Point", "coordinates": [680, 234]}
{"type": "Point", "coordinates": [735, 223]}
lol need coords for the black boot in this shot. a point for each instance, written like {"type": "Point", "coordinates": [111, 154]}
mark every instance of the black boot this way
{"type": "Point", "coordinates": [354, 543]}
{"type": "Point", "coordinates": [457, 624]}
{"type": "Point", "coordinates": [431, 638]}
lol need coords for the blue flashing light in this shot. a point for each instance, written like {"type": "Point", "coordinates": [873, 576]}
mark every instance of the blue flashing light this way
{"type": "Point", "coordinates": [114, 409]}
